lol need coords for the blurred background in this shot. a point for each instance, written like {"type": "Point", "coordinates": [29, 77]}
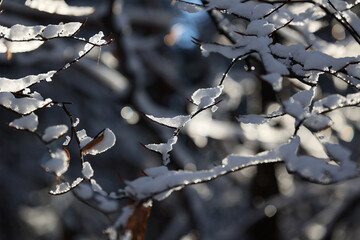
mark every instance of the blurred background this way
{"type": "Point", "coordinates": [152, 67]}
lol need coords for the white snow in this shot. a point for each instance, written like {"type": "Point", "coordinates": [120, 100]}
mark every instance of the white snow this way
{"type": "Point", "coordinates": [23, 105]}
{"type": "Point", "coordinates": [84, 191]}
{"type": "Point", "coordinates": [54, 132]}
{"type": "Point", "coordinates": [23, 33]}
{"type": "Point", "coordinates": [67, 141]}
{"type": "Point", "coordinates": [272, 65]}
{"type": "Point", "coordinates": [127, 211]}
{"type": "Point", "coordinates": [58, 163]}
{"type": "Point", "coordinates": [97, 188]}
{"type": "Point", "coordinates": [317, 122]}
{"type": "Point", "coordinates": [61, 188]}
{"type": "Point", "coordinates": [87, 170]}
{"type": "Point", "coordinates": [76, 182]}
{"type": "Point", "coordinates": [353, 20]}
{"type": "Point", "coordinates": [329, 102]}
{"type": "Point", "coordinates": [163, 148]}
{"type": "Point", "coordinates": [227, 51]}
{"type": "Point", "coordinates": [156, 171]}
{"type": "Point", "coordinates": [83, 137]}
{"type": "Point", "coordinates": [295, 109]}
{"type": "Point", "coordinates": [104, 141]}
{"type": "Point", "coordinates": [59, 7]}
{"type": "Point", "coordinates": [353, 70]}
{"type": "Point", "coordinates": [28, 122]}
{"type": "Point", "coordinates": [105, 204]}
{"type": "Point", "coordinates": [252, 118]}
{"type": "Point", "coordinates": [337, 151]}
{"type": "Point", "coordinates": [251, 10]}
{"type": "Point", "coordinates": [77, 121]}
{"type": "Point", "coordinates": [163, 182]}
{"type": "Point", "coordinates": [15, 85]}
{"type": "Point", "coordinates": [304, 97]}
{"type": "Point", "coordinates": [191, 8]}
{"type": "Point", "coordinates": [275, 79]}
{"type": "Point", "coordinates": [316, 169]}
{"type": "Point", "coordinates": [61, 30]}
{"type": "Point", "coordinates": [205, 97]}
{"type": "Point", "coordinates": [336, 101]}
{"type": "Point", "coordinates": [97, 39]}
{"type": "Point", "coordinates": [260, 28]}
{"type": "Point", "coordinates": [174, 122]}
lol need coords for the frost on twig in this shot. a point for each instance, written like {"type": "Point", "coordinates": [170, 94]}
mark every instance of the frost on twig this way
{"type": "Point", "coordinates": [161, 182]}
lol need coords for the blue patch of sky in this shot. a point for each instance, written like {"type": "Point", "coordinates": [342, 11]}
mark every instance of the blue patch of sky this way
{"type": "Point", "coordinates": [186, 25]}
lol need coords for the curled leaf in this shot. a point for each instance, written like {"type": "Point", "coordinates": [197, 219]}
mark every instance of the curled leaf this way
{"type": "Point", "coordinates": [102, 142]}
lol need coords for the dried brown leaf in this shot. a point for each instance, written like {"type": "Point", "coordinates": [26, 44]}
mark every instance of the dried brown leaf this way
{"type": "Point", "coordinates": [137, 221]}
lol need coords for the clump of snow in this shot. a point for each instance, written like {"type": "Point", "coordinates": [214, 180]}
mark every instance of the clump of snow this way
{"type": "Point", "coordinates": [121, 221]}
{"type": "Point", "coordinates": [163, 182]}
{"type": "Point", "coordinates": [329, 102]}
{"type": "Point", "coordinates": [252, 118]}
{"type": "Point", "coordinates": [337, 151]}
{"type": "Point", "coordinates": [353, 70]}
{"type": "Point", "coordinates": [54, 132]}
{"type": "Point", "coordinates": [58, 7]}
{"type": "Point", "coordinates": [275, 79]}
{"type": "Point", "coordinates": [335, 101]}
{"type": "Point", "coordinates": [104, 141]}
{"type": "Point", "coordinates": [58, 163]}
{"type": "Point", "coordinates": [205, 97]}
{"type": "Point", "coordinates": [97, 188]}
{"type": "Point", "coordinates": [316, 169]}
{"type": "Point", "coordinates": [191, 8]}
{"type": "Point", "coordinates": [297, 105]}
{"type": "Point", "coordinates": [174, 122]}
{"type": "Point", "coordinates": [83, 137]}
{"type": "Point", "coordinates": [250, 10]}
{"type": "Point", "coordinates": [259, 28]}
{"type": "Point", "coordinates": [61, 188]}
{"type": "Point", "coordinates": [317, 122]}
{"type": "Point", "coordinates": [20, 32]}
{"type": "Point", "coordinates": [76, 182]}
{"type": "Point", "coordinates": [67, 141]}
{"type": "Point", "coordinates": [87, 170]}
{"type": "Point", "coordinates": [67, 29]}
{"type": "Point", "coordinates": [15, 85]}
{"type": "Point", "coordinates": [164, 148]}
{"type": "Point", "coordinates": [77, 121]}
{"type": "Point", "coordinates": [84, 191]}
{"type": "Point", "coordinates": [105, 204]}
{"type": "Point", "coordinates": [97, 39]}
{"type": "Point", "coordinates": [23, 105]}
{"type": "Point", "coordinates": [273, 65]}
{"type": "Point", "coordinates": [28, 122]}
{"type": "Point", "coordinates": [295, 109]}
{"type": "Point", "coordinates": [156, 171]}
{"type": "Point", "coordinates": [112, 234]}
